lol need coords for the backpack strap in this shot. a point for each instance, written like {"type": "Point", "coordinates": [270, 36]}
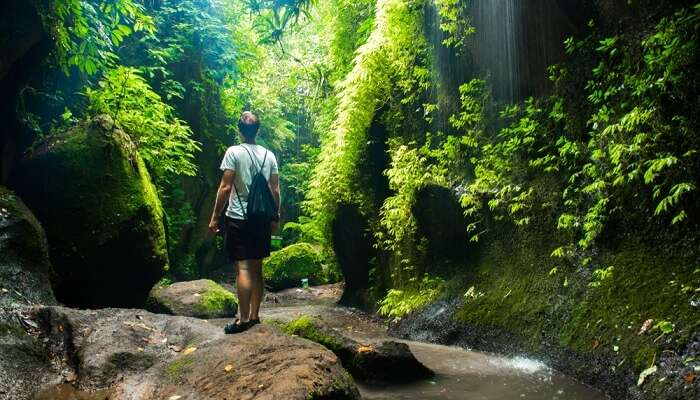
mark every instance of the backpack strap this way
{"type": "Point", "coordinates": [245, 212]}
{"type": "Point", "coordinates": [253, 161]}
{"type": "Point", "coordinates": [238, 195]}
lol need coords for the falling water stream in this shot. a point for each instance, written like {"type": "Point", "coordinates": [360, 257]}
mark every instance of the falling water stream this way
{"type": "Point", "coordinates": [513, 45]}
{"type": "Point", "coordinates": [497, 45]}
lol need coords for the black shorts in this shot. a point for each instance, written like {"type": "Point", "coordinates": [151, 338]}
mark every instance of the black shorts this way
{"type": "Point", "coordinates": [245, 243]}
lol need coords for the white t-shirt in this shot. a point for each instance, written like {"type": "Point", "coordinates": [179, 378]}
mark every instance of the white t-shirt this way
{"type": "Point", "coordinates": [238, 160]}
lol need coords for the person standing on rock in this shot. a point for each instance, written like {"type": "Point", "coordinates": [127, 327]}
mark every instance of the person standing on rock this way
{"type": "Point", "coordinates": [248, 231]}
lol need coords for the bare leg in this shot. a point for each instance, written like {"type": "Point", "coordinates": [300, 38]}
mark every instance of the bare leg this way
{"type": "Point", "coordinates": [244, 288]}
{"type": "Point", "coordinates": [257, 288]}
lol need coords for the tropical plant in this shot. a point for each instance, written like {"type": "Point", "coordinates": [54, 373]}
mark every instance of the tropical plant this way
{"type": "Point", "coordinates": [163, 140]}
{"type": "Point", "coordinates": [87, 32]}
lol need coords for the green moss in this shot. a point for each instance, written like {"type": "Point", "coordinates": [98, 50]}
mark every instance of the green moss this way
{"type": "Point", "coordinates": [285, 268]}
{"type": "Point", "coordinates": [511, 285]}
{"type": "Point", "coordinates": [307, 327]}
{"type": "Point", "coordinates": [399, 303]}
{"type": "Point", "coordinates": [152, 202]}
{"type": "Point", "coordinates": [647, 284]}
{"type": "Point", "coordinates": [11, 330]}
{"type": "Point", "coordinates": [217, 299]}
{"type": "Point", "coordinates": [177, 368]}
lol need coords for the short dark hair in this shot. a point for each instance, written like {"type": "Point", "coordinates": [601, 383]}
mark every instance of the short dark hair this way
{"type": "Point", "coordinates": [248, 124]}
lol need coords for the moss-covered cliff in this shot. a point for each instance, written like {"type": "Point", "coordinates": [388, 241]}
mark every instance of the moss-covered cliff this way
{"type": "Point", "coordinates": [555, 225]}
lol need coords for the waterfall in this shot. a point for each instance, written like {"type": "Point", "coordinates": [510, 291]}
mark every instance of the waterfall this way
{"type": "Point", "coordinates": [514, 43]}
{"type": "Point", "coordinates": [497, 43]}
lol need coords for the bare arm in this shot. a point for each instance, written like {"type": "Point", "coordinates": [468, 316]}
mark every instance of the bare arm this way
{"type": "Point", "coordinates": [222, 197]}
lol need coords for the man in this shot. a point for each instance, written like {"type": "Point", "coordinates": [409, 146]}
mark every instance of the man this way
{"type": "Point", "coordinates": [247, 243]}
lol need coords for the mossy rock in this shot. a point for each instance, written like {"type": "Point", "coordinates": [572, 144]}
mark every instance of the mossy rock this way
{"type": "Point", "coordinates": [200, 299]}
{"type": "Point", "coordinates": [24, 264]}
{"type": "Point", "coordinates": [386, 361]}
{"type": "Point", "coordinates": [312, 329]}
{"type": "Point", "coordinates": [103, 219]}
{"type": "Point", "coordinates": [287, 267]}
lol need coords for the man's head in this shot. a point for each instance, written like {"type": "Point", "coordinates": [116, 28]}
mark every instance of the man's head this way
{"type": "Point", "coordinates": [248, 125]}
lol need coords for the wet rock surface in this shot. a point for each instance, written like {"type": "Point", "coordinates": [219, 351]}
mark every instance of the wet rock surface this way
{"type": "Point", "coordinates": [133, 354]}
{"type": "Point", "coordinates": [315, 294]}
{"type": "Point", "coordinates": [200, 299]}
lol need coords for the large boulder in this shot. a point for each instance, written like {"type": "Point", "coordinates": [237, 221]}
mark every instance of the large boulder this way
{"type": "Point", "coordinates": [200, 299]}
{"type": "Point", "coordinates": [133, 354]}
{"type": "Point", "coordinates": [287, 267]}
{"type": "Point", "coordinates": [24, 281]}
{"type": "Point", "coordinates": [24, 363]}
{"type": "Point", "coordinates": [102, 216]}
{"type": "Point", "coordinates": [24, 260]}
{"type": "Point", "coordinates": [383, 361]}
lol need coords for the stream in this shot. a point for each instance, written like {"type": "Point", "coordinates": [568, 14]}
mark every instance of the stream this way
{"type": "Point", "coordinates": [459, 373]}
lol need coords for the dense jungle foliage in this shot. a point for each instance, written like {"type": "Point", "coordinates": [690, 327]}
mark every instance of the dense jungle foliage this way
{"type": "Point", "coordinates": [348, 97]}
{"type": "Point", "coordinates": [616, 134]}
{"type": "Point", "coordinates": [565, 212]}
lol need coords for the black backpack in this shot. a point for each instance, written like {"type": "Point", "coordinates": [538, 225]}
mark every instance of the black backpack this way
{"type": "Point", "coordinates": [261, 204]}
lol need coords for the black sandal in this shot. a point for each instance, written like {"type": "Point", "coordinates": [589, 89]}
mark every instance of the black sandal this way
{"type": "Point", "coordinates": [237, 327]}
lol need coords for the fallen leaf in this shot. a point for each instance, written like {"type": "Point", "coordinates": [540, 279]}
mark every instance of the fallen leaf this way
{"type": "Point", "coordinates": [189, 351]}
{"type": "Point", "coordinates": [175, 348]}
{"type": "Point", "coordinates": [595, 344]}
{"type": "Point", "coordinates": [689, 378]}
{"type": "Point", "coordinates": [228, 368]}
{"type": "Point", "coordinates": [365, 349]}
{"type": "Point", "coordinates": [643, 376]}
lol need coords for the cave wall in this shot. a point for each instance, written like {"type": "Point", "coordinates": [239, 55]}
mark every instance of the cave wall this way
{"type": "Point", "coordinates": [24, 44]}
